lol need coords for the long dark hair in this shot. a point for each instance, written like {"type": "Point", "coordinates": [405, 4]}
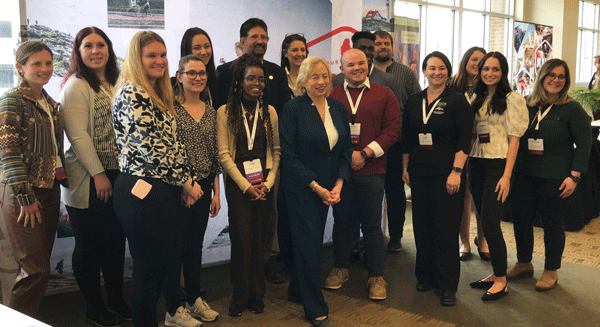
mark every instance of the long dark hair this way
{"type": "Point", "coordinates": [285, 62]}
{"type": "Point", "coordinates": [186, 49]}
{"type": "Point", "coordinates": [497, 104]}
{"type": "Point", "coordinates": [77, 67]}
{"type": "Point", "coordinates": [460, 81]}
{"type": "Point", "coordinates": [234, 101]}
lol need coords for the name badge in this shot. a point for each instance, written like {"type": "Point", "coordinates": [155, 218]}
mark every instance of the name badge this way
{"type": "Point", "coordinates": [355, 133]}
{"type": "Point", "coordinates": [483, 132]}
{"type": "Point", "coordinates": [59, 171]}
{"type": "Point", "coordinates": [535, 146]}
{"type": "Point", "coordinates": [426, 141]}
{"type": "Point", "coordinates": [253, 170]}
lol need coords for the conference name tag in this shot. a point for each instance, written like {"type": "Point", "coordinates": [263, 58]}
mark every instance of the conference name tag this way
{"type": "Point", "coordinates": [355, 133]}
{"type": "Point", "coordinates": [253, 170]}
{"type": "Point", "coordinates": [426, 141]}
{"type": "Point", "coordinates": [535, 146]}
{"type": "Point", "coordinates": [483, 132]}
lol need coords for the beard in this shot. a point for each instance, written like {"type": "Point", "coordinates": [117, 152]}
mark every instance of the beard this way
{"type": "Point", "coordinates": [379, 58]}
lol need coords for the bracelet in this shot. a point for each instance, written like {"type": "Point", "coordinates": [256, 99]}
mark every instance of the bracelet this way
{"type": "Point", "coordinates": [314, 187]}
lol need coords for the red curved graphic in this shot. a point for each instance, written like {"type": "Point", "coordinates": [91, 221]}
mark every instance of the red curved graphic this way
{"type": "Point", "coordinates": [330, 34]}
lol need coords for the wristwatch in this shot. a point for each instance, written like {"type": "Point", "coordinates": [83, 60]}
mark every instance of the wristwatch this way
{"type": "Point", "coordinates": [457, 169]}
{"type": "Point", "coordinates": [575, 179]}
{"type": "Point", "coordinates": [364, 154]}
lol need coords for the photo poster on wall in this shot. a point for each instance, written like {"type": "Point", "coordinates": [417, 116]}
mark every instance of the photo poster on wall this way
{"type": "Point", "coordinates": [532, 48]}
{"type": "Point", "coordinates": [136, 13]}
{"type": "Point", "coordinates": [377, 15]}
{"type": "Point", "coordinates": [406, 42]}
{"type": "Point", "coordinates": [326, 24]}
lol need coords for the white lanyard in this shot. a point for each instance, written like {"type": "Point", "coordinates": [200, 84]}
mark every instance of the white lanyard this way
{"type": "Point", "coordinates": [425, 114]}
{"type": "Point", "coordinates": [541, 116]}
{"type": "Point", "coordinates": [251, 137]}
{"type": "Point", "coordinates": [354, 106]}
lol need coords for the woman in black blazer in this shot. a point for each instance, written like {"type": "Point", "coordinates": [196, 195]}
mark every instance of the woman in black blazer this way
{"type": "Point", "coordinates": [316, 153]}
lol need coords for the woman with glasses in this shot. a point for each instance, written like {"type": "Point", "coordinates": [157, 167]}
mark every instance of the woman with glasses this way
{"type": "Point", "coordinates": [93, 169]}
{"type": "Point", "coordinates": [293, 53]}
{"type": "Point", "coordinates": [501, 119]}
{"type": "Point", "coordinates": [551, 159]}
{"type": "Point", "coordinates": [464, 82]}
{"type": "Point", "coordinates": [197, 42]}
{"type": "Point", "coordinates": [248, 141]}
{"type": "Point", "coordinates": [197, 120]}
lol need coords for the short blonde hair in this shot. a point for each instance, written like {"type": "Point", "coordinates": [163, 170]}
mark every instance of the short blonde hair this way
{"type": "Point", "coordinates": [308, 67]}
{"type": "Point", "coordinates": [26, 50]}
{"type": "Point", "coordinates": [133, 72]}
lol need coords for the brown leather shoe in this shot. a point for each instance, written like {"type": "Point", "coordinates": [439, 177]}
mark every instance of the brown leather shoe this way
{"type": "Point", "coordinates": [547, 281]}
{"type": "Point", "coordinates": [524, 270]}
{"type": "Point", "coordinates": [377, 288]}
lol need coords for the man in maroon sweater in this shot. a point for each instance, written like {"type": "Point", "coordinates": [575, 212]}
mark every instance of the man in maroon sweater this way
{"type": "Point", "coordinates": [375, 124]}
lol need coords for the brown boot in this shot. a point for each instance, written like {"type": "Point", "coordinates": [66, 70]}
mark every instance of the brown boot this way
{"type": "Point", "coordinates": [524, 270]}
{"type": "Point", "coordinates": [547, 281]}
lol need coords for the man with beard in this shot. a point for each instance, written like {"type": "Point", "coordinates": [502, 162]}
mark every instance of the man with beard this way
{"type": "Point", "coordinates": [365, 42]}
{"type": "Point", "coordinates": [405, 78]}
{"type": "Point", "coordinates": [253, 41]}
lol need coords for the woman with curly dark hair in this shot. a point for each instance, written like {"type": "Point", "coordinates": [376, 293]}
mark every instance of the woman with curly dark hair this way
{"type": "Point", "coordinates": [248, 142]}
{"type": "Point", "coordinates": [501, 118]}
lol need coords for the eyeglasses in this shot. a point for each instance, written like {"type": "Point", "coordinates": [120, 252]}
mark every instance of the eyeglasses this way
{"type": "Point", "coordinates": [290, 34]}
{"type": "Point", "coordinates": [255, 37]}
{"type": "Point", "coordinates": [252, 79]}
{"type": "Point", "coordinates": [553, 76]}
{"type": "Point", "coordinates": [192, 74]}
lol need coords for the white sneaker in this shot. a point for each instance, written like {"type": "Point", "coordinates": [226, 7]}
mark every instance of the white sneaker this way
{"type": "Point", "coordinates": [202, 310]}
{"type": "Point", "coordinates": [182, 318]}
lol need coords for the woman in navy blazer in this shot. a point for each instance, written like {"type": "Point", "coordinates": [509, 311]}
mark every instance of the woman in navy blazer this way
{"type": "Point", "coordinates": [316, 153]}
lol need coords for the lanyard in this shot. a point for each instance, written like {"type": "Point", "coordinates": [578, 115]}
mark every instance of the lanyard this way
{"type": "Point", "coordinates": [541, 116]}
{"type": "Point", "coordinates": [251, 137]}
{"type": "Point", "coordinates": [425, 114]}
{"type": "Point", "coordinates": [354, 106]}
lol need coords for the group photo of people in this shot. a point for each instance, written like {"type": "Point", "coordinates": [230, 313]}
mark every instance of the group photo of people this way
{"type": "Point", "coordinates": [140, 155]}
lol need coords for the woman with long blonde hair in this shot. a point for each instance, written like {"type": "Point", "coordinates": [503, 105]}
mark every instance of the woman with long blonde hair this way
{"type": "Point", "coordinates": [155, 177]}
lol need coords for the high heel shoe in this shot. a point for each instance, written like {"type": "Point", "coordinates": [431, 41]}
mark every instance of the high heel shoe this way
{"type": "Point", "coordinates": [483, 255]}
{"type": "Point", "coordinates": [487, 296]}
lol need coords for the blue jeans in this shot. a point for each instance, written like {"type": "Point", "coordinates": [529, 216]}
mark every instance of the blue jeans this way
{"type": "Point", "coordinates": [361, 203]}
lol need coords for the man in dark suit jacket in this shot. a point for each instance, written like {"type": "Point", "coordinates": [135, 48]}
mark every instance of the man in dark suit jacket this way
{"type": "Point", "coordinates": [597, 66]}
{"type": "Point", "coordinates": [365, 42]}
{"type": "Point", "coordinates": [254, 40]}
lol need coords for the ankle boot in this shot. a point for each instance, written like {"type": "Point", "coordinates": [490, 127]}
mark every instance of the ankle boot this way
{"type": "Point", "coordinates": [520, 270]}
{"type": "Point", "coordinates": [547, 281]}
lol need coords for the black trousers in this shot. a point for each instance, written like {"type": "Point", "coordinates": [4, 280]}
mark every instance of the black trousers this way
{"type": "Point", "coordinates": [247, 220]}
{"type": "Point", "coordinates": [99, 245]}
{"type": "Point", "coordinates": [152, 227]}
{"type": "Point", "coordinates": [530, 196]}
{"type": "Point", "coordinates": [308, 215]}
{"type": "Point", "coordinates": [436, 222]}
{"type": "Point", "coordinates": [484, 175]}
{"type": "Point", "coordinates": [194, 221]}
{"type": "Point", "coordinates": [394, 192]}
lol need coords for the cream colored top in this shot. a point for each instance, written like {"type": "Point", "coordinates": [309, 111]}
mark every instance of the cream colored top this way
{"type": "Point", "coordinates": [514, 122]}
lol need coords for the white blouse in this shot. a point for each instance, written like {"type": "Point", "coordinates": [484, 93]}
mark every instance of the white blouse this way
{"type": "Point", "coordinates": [513, 122]}
{"type": "Point", "coordinates": [332, 133]}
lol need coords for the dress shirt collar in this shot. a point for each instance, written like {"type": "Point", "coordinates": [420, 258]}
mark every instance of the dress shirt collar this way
{"type": "Point", "coordinates": [366, 84]}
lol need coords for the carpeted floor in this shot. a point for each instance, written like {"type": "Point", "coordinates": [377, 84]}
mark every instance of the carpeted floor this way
{"type": "Point", "coordinates": [574, 302]}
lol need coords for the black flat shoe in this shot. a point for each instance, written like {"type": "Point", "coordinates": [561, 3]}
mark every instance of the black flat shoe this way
{"type": "Point", "coordinates": [256, 306]}
{"type": "Point", "coordinates": [465, 256]}
{"type": "Point", "coordinates": [483, 255]}
{"type": "Point", "coordinates": [487, 296]}
{"type": "Point", "coordinates": [424, 287]}
{"type": "Point", "coordinates": [481, 284]}
{"type": "Point", "coordinates": [235, 310]}
{"type": "Point", "coordinates": [448, 298]}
